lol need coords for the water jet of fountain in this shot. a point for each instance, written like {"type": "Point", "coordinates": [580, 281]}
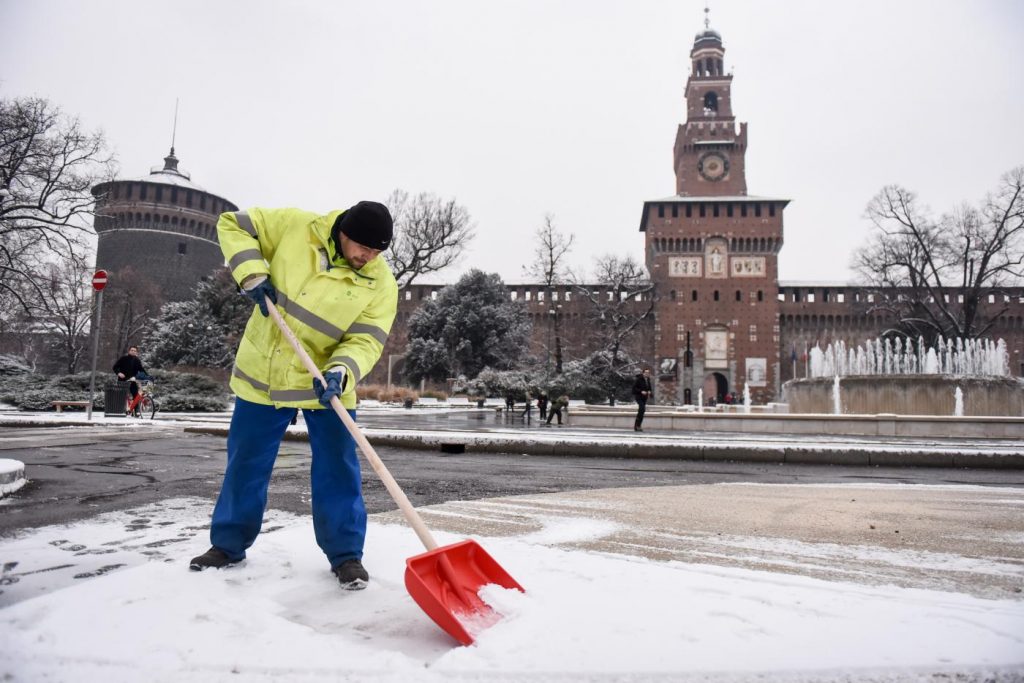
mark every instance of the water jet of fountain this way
{"type": "Point", "coordinates": [746, 398]}
{"type": "Point", "coordinates": [837, 408]}
{"type": "Point", "coordinates": [958, 403]}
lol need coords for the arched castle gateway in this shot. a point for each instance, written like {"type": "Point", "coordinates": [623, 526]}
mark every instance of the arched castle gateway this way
{"type": "Point", "coordinates": [159, 232]}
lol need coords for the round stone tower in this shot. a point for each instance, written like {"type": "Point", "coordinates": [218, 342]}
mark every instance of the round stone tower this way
{"type": "Point", "coordinates": [157, 237]}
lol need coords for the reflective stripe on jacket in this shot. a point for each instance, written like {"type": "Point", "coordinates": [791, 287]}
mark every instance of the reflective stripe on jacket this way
{"type": "Point", "coordinates": [341, 316]}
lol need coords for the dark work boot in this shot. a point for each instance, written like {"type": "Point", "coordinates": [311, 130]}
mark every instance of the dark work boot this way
{"type": "Point", "coordinates": [351, 575]}
{"type": "Point", "coordinates": [213, 558]}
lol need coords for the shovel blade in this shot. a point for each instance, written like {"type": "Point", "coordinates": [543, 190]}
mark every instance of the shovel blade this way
{"type": "Point", "coordinates": [445, 581]}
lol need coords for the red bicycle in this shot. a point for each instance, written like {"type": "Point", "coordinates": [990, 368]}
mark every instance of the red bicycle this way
{"type": "Point", "coordinates": [143, 403]}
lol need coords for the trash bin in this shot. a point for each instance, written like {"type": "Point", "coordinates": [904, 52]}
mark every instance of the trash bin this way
{"type": "Point", "coordinates": [115, 398]}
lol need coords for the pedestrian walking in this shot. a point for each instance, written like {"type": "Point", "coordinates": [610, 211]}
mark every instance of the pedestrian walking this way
{"type": "Point", "coordinates": [528, 411]}
{"type": "Point", "coordinates": [326, 277]}
{"type": "Point", "coordinates": [542, 406]}
{"type": "Point", "coordinates": [641, 392]}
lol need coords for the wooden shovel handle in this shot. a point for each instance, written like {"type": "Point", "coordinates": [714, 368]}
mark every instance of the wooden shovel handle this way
{"type": "Point", "coordinates": [411, 516]}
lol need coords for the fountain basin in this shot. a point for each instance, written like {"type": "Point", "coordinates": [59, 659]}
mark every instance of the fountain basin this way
{"type": "Point", "coordinates": [907, 395]}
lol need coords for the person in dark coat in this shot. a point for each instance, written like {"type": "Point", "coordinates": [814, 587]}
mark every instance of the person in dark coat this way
{"type": "Point", "coordinates": [542, 406]}
{"type": "Point", "coordinates": [129, 367]}
{"type": "Point", "coordinates": [641, 392]}
{"type": "Point", "coordinates": [557, 406]}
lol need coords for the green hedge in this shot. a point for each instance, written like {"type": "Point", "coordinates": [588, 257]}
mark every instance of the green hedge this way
{"type": "Point", "coordinates": [173, 391]}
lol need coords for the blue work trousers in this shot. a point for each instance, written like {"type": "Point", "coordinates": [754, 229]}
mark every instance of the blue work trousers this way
{"type": "Point", "coordinates": [339, 515]}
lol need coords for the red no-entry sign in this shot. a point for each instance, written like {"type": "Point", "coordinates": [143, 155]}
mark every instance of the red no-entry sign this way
{"type": "Point", "coordinates": [99, 280]}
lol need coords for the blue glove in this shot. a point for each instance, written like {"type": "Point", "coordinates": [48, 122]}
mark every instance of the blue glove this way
{"type": "Point", "coordinates": [335, 386]}
{"type": "Point", "coordinates": [259, 294]}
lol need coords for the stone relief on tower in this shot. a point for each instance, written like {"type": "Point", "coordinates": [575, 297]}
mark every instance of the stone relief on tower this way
{"type": "Point", "coordinates": [684, 266]}
{"type": "Point", "coordinates": [747, 266]}
{"type": "Point", "coordinates": [716, 253]}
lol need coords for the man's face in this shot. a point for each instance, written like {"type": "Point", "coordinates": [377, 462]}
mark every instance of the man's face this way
{"type": "Point", "coordinates": [133, 351]}
{"type": "Point", "coordinates": [356, 254]}
{"type": "Point", "coordinates": [647, 373]}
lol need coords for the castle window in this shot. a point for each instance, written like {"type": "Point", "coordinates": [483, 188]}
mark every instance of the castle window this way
{"type": "Point", "coordinates": [182, 247]}
{"type": "Point", "coordinates": [716, 295]}
{"type": "Point", "coordinates": [710, 103]}
{"type": "Point", "coordinates": [810, 297]}
{"type": "Point", "coordinates": [743, 210]}
{"type": "Point", "coordinates": [689, 211]}
{"type": "Point", "coordinates": [757, 210]}
{"type": "Point", "coordinates": [771, 209]}
{"type": "Point", "coordinates": [672, 295]}
{"type": "Point", "coordinates": [675, 211]}
{"type": "Point", "coordinates": [714, 210]}
{"type": "Point", "coordinates": [661, 210]}
{"type": "Point", "coordinates": [728, 210]}
{"type": "Point", "coordinates": [739, 295]}
{"type": "Point", "coordinates": [703, 211]}
{"type": "Point", "coordinates": [693, 295]}
{"type": "Point", "coordinates": [760, 295]}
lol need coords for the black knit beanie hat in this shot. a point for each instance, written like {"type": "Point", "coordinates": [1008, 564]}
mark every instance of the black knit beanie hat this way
{"type": "Point", "coordinates": [368, 223]}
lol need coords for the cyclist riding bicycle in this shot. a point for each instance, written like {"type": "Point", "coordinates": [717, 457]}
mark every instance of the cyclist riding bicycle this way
{"type": "Point", "coordinates": [129, 368]}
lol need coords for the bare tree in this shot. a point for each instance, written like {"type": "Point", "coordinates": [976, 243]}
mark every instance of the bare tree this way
{"type": "Point", "coordinates": [931, 275]}
{"type": "Point", "coordinates": [68, 301]}
{"type": "Point", "coordinates": [622, 298]}
{"type": "Point", "coordinates": [430, 234]}
{"type": "Point", "coordinates": [128, 310]}
{"type": "Point", "coordinates": [548, 267]}
{"type": "Point", "coordinates": [47, 166]}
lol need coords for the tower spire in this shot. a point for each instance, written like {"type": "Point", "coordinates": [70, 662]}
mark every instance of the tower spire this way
{"type": "Point", "coordinates": [707, 17]}
{"type": "Point", "coordinates": [174, 130]}
{"type": "Point", "coordinates": [171, 161]}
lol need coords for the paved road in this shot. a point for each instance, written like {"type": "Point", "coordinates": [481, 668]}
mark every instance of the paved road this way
{"type": "Point", "coordinates": [78, 472]}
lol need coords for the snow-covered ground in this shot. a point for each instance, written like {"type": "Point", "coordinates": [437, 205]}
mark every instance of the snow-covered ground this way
{"type": "Point", "coordinates": [111, 599]}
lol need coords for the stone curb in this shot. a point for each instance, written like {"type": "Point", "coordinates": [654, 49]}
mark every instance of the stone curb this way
{"type": "Point", "coordinates": [770, 453]}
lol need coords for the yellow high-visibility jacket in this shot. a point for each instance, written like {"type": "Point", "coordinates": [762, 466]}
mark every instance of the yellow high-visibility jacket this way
{"type": "Point", "coordinates": [341, 316]}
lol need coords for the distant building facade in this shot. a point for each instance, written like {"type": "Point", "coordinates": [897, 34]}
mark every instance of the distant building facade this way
{"type": "Point", "coordinates": [723, 322]}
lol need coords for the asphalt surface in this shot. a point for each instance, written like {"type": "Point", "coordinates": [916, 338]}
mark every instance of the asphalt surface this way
{"type": "Point", "coordinates": [78, 472]}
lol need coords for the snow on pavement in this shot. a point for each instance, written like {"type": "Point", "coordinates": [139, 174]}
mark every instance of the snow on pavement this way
{"type": "Point", "coordinates": [112, 599]}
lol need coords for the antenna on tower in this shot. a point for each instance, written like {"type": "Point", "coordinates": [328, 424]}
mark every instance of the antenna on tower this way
{"type": "Point", "coordinates": [174, 131]}
{"type": "Point", "coordinates": [707, 18]}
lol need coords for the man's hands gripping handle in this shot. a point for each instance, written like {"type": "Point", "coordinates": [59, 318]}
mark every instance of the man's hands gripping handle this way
{"type": "Point", "coordinates": [260, 292]}
{"type": "Point", "coordinates": [335, 386]}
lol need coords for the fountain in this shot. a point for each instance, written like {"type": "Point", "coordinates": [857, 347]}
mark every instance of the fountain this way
{"type": "Point", "coordinates": [700, 400]}
{"type": "Point", "coordinates": [907, 377]}
{"type": "Point", "coordinates": [746, 397]}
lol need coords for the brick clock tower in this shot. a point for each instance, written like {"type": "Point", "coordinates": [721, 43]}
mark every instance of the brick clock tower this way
{"type": "Point", "coordinates": [712, 252]}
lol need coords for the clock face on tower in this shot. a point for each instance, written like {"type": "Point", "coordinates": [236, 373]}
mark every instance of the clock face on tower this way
{"type": "Point", "coordinates": [713, 166]}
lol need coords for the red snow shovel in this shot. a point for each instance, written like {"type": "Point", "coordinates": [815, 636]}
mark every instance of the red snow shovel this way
{"type": "Point", "coordinates": [444, 581]}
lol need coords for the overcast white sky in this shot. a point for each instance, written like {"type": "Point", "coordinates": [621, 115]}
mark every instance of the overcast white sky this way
{"type": "Point", "coordinates": [518, 109]}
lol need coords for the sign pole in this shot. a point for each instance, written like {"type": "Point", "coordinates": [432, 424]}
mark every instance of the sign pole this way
{"type": "Point", "coordinates": [99, 281]}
